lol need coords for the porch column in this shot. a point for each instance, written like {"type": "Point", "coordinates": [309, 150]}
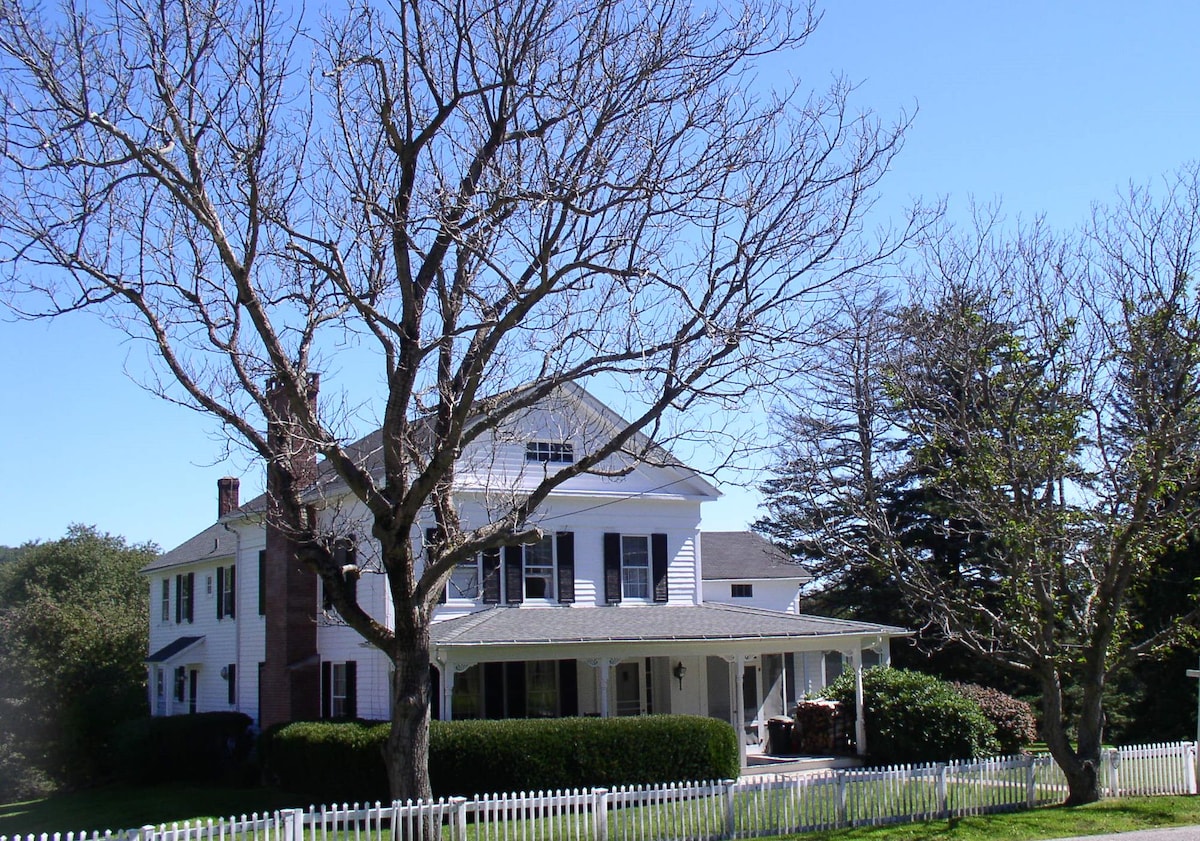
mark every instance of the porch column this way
{"type": "Point", "coordinates": [446, 706]}
{"type": "Point", "coordinates": [739, 712]}
{"type": "Point", "coordinates": [860, 718]}
{"type": "Point", "coordinates": [604, 666]}
{"type": "Point", "coordinates": [151, 688]}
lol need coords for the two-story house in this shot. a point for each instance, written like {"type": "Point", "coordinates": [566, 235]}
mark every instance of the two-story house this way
{"type": "Point", "coordinates": [624, 607]}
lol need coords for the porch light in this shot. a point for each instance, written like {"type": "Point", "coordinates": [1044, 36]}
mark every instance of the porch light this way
{"type": "Point", "coordinates": [679, 671]}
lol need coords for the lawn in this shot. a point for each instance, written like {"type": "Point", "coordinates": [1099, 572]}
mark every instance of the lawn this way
{"type": "Point", "coordinates": [128, 806]}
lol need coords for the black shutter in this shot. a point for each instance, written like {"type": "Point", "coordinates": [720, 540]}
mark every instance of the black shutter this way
{"type": "Point", "coordinates": [514, 574]}
{"type": "Point", "coordinates": [491, 577]}
{"type": "Point", "coordinates": [352, 689]}
{"type": "Point", "coordinates": [612, 568]}
{"type": "Point", "coordinates": [231, 683]}
{"type": "Point", "coordinates": [326, 690]}
{"type": "Point", "coordinates": [191, 596]}
{"type": "Point", "coordinates": [179, 601]}
{"type": "Point", "coordinates": [565, 550]}
{"type": "Point", "coordinates": [658, 562]}
{"type": "Point", "coordinates": [430, 537]}
{"type": "Point", "coordinates": [514, 694]}
{"type": "Point", "coordinates": [493, 690]}
{"type": "Point", "coordinates": [262, 582]}
{"type": "Point", "coordinates": [231, 601]}
{"type": "Point", "coordinates": [435, 693]}
{"type": "Point", "coordinates": [568, 688]}
{"type": "Point", "coordinates": [220, 592]}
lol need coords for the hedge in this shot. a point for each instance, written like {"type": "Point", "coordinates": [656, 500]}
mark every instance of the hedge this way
{"type": "Point", "coordinates": [344, 760]}
{"type": "Point", "coordinates": [204, 747]}
{"type": "Point", "coordinates": [1015, 723]}
{"type": "Point", "coordinates": [914, 717]}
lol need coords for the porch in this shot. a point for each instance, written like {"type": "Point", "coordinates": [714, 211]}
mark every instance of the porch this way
{"type": "Point", "coordinates": [741, 665]}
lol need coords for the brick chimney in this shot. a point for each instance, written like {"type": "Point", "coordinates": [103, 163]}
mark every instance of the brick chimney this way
{"type": "Point", "coordinates": [291, 676]}
{"type": "Point", "coordinates": [227, 495]}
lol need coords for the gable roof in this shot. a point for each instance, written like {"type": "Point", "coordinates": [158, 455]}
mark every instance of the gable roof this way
{"type": "Point", "coordinates": [215, 542]}
{"type": "Point", "coordinates": [675, 623]}
{"type": "Point", "coordinates": [739, 555]}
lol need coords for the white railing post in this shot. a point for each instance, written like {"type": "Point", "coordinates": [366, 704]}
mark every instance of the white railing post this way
{"type": "Point", "coordinates": [943, 791]}
{"type": "Point", "coordinates": [146, 833]}
{"type": "Point", "coordinates": [1030, 782]}
{"type": "Point", "coordinates": [458, 818]}
{"type": "Point", "coordinates": [600, 814]}
{"type": "Point", "coordinates": [1114, 772]}
{"type": "Point", "coordinates": [293, 824]}
{"type": "Point", "coordinates": [730, 813]}
{"type": "Point", "coordinates": [1189, 767]}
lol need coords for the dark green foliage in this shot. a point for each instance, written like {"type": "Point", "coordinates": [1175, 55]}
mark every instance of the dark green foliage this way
{"type": "Point", "coordinates": [328, 761]}
{"type": "Point", "coordinates": [913, 717]}
{"type": "Point", "coordinates": [1015, 723]}
{"type": "Point", "coordinates": [344, 760]}
{"type": "Point", "coordinates": [73, 629]}
{"type": "Point", "coordinates": [212, 747]}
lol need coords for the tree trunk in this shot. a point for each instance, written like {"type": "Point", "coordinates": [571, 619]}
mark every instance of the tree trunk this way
{"type": "Point", "coordinates": [407, 751]}
{"type": "Point", "coordinates": [1080, 765]}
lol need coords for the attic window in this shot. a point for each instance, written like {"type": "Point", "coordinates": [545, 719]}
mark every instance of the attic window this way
{"type": "Point", "coordinates": [557, 452]}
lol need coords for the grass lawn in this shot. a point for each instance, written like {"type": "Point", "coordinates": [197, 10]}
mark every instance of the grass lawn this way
{"type": "Point", "coordinates": [117, 807]}
{"type": "Point", "coordinates": [126, 807]}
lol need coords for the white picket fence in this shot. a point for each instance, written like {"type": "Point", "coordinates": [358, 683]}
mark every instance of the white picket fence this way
{"type": "Point", "coordinates": [699, 811]}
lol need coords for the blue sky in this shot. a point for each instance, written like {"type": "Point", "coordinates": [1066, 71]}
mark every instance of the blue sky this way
{"type": "Point", "coordinates": [1047, 107]}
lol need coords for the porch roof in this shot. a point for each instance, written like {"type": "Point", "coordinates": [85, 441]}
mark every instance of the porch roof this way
{"type": "Point", "coordinates": [173, 650]}
{"type": "Point", "coordinates": [510, 625]}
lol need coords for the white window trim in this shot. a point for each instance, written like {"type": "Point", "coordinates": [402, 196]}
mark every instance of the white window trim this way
{"type": "Point", "coordinates": [648, 567]}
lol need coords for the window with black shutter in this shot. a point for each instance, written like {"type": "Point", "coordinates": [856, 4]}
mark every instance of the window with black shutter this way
{"type": "Point", "coordinates": [564, 546]}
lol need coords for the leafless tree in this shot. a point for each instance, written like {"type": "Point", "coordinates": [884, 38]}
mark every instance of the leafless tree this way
{"type": "Point", "coordinates": [490, 198]}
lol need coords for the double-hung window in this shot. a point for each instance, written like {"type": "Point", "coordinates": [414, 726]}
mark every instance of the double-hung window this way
{"type": "Point", "coordinates": [464, 580]}
{"type": "Point", "coordinates": [165, 609]}
{"type": "Point", "coordinates": [539, 569]}
{"type": "Point", "coordinates": [635, 566]}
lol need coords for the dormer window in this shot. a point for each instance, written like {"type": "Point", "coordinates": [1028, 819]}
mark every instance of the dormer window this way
{"type": "Point", "coordinates": [555, 452]}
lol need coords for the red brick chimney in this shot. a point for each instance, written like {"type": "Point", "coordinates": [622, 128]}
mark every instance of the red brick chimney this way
{"type": "Point", "coordinates": [227, 495]}
{"type": "Point", "coordinates": [290, 687]}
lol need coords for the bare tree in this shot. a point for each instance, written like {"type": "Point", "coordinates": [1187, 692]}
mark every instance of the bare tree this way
{"type": "Point", "coordinates": [1044, 394]}
{"type": "Point", "coordinates": [494, 200]}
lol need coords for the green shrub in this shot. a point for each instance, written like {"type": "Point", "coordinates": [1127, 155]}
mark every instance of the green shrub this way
{"type": "Point", "coordinates": [913, 717]}
{"type": "Point", "coordinates": [205, 747]}
{"type": "Point", "coordinates": [1016, 726]}
{"type": "Point", "coordinates": [344, 760]}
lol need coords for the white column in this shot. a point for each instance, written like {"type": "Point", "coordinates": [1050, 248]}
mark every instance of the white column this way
{"type": "Point", "coordinates": [448, 671]}
{"type": "Point", "coordinates": [603, 666]}
{"type": "Point", "coordinates": [739, 714]}
{"type": "Point", "coordinates": [860, 719]}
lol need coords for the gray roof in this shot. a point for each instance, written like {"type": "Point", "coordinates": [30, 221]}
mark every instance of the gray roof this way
{"type": "Point", "coordinates": [173, 649]}
{"type": "Point", "coordinates": [738, 555]}
{"type": "Point", "coordinates": [214, 542]}
{"type": "Point", "coordinates": [695, 623]}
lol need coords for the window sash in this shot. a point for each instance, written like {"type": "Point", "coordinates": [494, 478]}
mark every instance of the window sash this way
{"type": "Point", "coordinates": [539, 569]}
{"type": "Point", "coordinates": [337, 693]}
{"type": "Point", "coordinates": [635, 567]}
{"type": "Point", "coordinates": [464, 580]}
{"type": "Point", "coordinates": [165, 614]}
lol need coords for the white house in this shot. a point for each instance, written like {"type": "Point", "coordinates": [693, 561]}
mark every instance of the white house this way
{"type": "Point", "coordinates": [624, 608]}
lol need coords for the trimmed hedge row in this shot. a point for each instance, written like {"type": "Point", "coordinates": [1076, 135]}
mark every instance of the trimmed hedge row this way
{"type": "Point", "coordinates": [344, 760]}
{"type": "Point", "coordinates": [204, 747]}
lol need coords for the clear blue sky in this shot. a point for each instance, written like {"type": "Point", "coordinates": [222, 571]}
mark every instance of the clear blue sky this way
{"type": "Point", "coordinates": [1046, 106]}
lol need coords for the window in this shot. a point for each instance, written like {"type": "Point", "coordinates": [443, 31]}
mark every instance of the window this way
{"type": "Point", "coordinates": [539, 569]}
{"type": "Point", "coordinates": [208, 586]}
{"type": "Point", "coordinates": [741, 591]}
{"type": "Point", "coordinates": [184, 597]}
{"type": "Point", "coordinates": [541, 689]}
{"type": "Point", "coordinates": [635, 567]}
{"type": "Point", "coordinates": [557, 452]}
{"type": "Point", "coordinates": [226, 588]}
{"type": "Point", "coordinates": [338, 689]}
{"type": "Point", "coordinates": [180, 683]}
{"type": "Point", "coordinates": [165, 614]}
{"type": "Point", "coordinates": [464, 581]}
